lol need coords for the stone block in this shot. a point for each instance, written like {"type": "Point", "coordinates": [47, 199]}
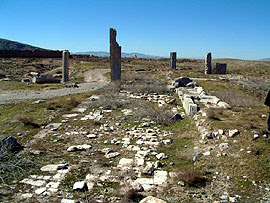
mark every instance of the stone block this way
{"type": "Point", "coordinates": [221, 68]}
{"type": "Point", "coordinates": [173, 60]}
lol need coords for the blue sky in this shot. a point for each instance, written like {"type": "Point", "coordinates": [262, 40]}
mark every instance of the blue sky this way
{"type": "Point", "coordinates": [227, 28]}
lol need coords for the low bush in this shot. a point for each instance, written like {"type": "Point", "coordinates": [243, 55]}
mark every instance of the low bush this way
{"type": "Point", "coordinates": [13, 166]}
{"type": "Point", "coordinates": [192, 178]}
{"type": "Point", "coordinates": [29, 121]}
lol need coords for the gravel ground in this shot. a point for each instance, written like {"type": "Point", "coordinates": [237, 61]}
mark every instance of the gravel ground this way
{"type": "Point", "coordinates": [94, 80]}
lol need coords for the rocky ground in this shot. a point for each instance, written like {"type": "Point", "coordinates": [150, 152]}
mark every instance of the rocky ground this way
{"type": "Point", "coordinates": [129, 143]}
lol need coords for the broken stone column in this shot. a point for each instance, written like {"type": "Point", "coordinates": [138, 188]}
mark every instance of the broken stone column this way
{"type": "Point", "coordinates": [115, 56]}
{"type": "Point", "coordinates": [208, 66]}
{"type": "Point", "coordinates": [65, 76]}
{"type": "Point", "coordinates": [221, 68]}
{"type": "Point", "coordinates": [173, 60]}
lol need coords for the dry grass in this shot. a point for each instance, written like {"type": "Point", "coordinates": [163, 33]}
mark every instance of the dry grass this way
{"type": "Point", "coordinates": [13, 166]}
{"type": "Point", "coordinates": [137, 82]}
{"type": "Point", "coordinates": [237, 98]}
{"type": "Point", "coordinates": [67, 104]}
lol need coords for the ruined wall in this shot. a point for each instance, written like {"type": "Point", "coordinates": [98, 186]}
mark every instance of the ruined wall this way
{"type": "Point", "coordinates": [30, 54]}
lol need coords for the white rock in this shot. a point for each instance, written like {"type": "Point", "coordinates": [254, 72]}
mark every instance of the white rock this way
{"type": "Point", "coordinates": [139, 161]}
{"type": "Point", "coordinates": [70, 115]}
{"type": "Point", "coordinates": [53, 185]}
{"type": "Point", "coordinates": [233, 133]}
{"type": "Point", "coordinates": [27, 195]}
{"type": "Point", "coordinates": [161, 156]}
{"type": "Point", "coordinates": [79, 109]}
{"type": "Point", "coordinates": [160, 177]}
{"type": "Point", "coordinates": [106, 150]}
{"type": "Point", "coordinates": [79, 148]}
{"type": "Point", "coordinates": [151, 199]}
{"type": "Point", "coordinates": [67, 201]}
{"type": "Point", "coordinates": [149, 168]}
{"type": "Point", "coordinates": [137, 187]}
{"type": "Point", "coordinates": [256, 136]}
{"type": "Point", "coordinates": [124, 162]}
{"type": "Point", "coordinates": [92, 136]}
{"type": "Point", "coordinates": [90, 177]}
{"type": "Point", "coordinates": [112, 155]}
{"type": "Point", "coordinates": [233, 199]}
{"type": "Point", "coordinates": [208, 153]}
{"type": "Point", "coordinates": [79, 185]}
{"type": "Point", "coordinates": [37, 183]}
{"type": "Point", "coordinates": [90, 186]}
{"type": "Point", "coordinates": [221, 132]}
{"type": "Point", "coordinates": [40, 190]}
{"type": "Point", "coordinates": [54, 167]}
{"type": "Point", "coordinates": [167, 142]}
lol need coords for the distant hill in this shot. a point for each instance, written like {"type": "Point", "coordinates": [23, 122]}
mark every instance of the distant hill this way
{"type": "Point", "coordinates": [106, 54]}
{"type": "Point", "coordinates": [265, 59]}
{"type": "Point", "coordinates": [12, 45]}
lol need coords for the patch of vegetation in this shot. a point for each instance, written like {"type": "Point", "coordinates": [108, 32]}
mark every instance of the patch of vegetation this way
{"type": "Point", "coordinates": [14, 166]}
{"type": "Point", "coordinates": [192, 177]}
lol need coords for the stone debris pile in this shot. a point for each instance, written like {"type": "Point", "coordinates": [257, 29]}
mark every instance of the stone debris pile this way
{"type": "Point", "coordinates": [189, 97]}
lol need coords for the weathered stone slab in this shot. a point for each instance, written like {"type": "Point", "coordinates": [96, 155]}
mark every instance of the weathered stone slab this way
{"type": "Point", "coordinates": [54, 167]}
{"type": "Point", "coordinates": [221, 68]}
{"type": "Point", "coordinates": [32, 182]}
{"type": "Point", "coordinates": [124, 162]}
{"type": "Point", "coordinates": [151, 199]}
{"type": "Point", "coordinates": [160, 177]}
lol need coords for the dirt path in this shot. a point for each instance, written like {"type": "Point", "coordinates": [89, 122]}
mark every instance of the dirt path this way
{"type": "Point", "coordinates": [94, 79]}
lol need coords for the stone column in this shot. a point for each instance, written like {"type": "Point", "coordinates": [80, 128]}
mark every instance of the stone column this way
{"type": "Point", "coordinates": [173, 60]}
{"type": "Point", "coordinates": [208, 66]}
{"type": "Point", "coordinates": [115, 56]}
{"type": "Point", "coordinates": [65, 76]}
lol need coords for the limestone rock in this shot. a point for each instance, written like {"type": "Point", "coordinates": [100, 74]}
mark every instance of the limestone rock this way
{"type": "Point", "coordinates": [67, 201]}
{"type": "Point", "coordinates": [161, 156]}
{"type": "Point", "coordinates": [79, 148]}
{"type": "Point", "coordinates": [160, 177]}
{"type": "Point", "coordinates": [124, 162]}
{"type": "Point", "coordinates": [112, 155]}
{"type": "Point", "coordinates": [81, 185]}
{"type": "Point", "coordinates": [151, 199]}
{"type": "Point", "coordinates": [233, 133]}
{"type": "Point", "coordinates": [32, 182]}
{"type": "Point", "coordinates": [54, 167]}
{"type": "Point", "coordinates": [92, 136]}
{"type": "Point", "coordinates": [40, 190]}
{"type": "Point", "coordinates": [149, 168]}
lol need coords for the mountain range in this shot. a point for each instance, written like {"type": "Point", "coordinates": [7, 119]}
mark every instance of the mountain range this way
{"type": "Point", "coordinates": [13, 45]}
{"type": "Point", "coordinates": [107, 54]}
{"type": "Point", "coordinates": [265, 59]}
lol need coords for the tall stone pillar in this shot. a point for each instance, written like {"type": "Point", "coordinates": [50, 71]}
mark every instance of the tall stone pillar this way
{"type": "Point", "coordinates": [115, 56]}
{"type": "Point", "coordinates": [65, 69]}
{"type": "Point", "coordinates": [208, 61]}
{"type": "Point", "coordinates": [173, 60]}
